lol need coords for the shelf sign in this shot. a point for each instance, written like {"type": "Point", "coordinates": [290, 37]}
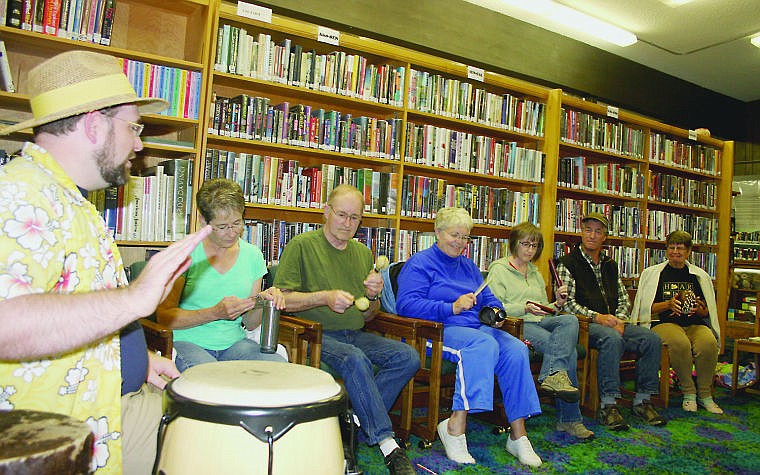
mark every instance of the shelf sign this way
{"type": "Point", "coordinates": [613, 112]}
{"type": "Point", "coordinates": [476, 74]}
{"type": "Point", "coordinates": [328, 35]}
{"type": "Point", "coordinates": [692, 135]}
{"type": "Point", "coordinates": [254, 12]}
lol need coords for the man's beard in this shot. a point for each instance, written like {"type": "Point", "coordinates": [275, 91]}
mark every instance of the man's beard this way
{"type": "Point", "coordinates": [113, 174]}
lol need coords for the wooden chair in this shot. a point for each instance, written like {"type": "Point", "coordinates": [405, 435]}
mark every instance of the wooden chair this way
{"type": "Point", "coordinates": [627, 373]}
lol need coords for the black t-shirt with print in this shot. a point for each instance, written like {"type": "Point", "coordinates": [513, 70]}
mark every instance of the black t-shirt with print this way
{"type": "Point", "coordinates": [671, 282]}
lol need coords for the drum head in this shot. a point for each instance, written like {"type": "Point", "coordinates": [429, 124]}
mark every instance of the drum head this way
{"type": "Point", "coordinates": [255, 383]}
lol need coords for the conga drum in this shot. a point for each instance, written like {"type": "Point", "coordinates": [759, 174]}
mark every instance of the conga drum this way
{"type": "Point", "coordinates": [35, 443]}
{"type": "Point", "coordinates": [253, 417]}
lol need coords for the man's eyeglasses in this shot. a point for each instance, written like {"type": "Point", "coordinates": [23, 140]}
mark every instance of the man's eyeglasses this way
{"type": "Point", "coordinates": [342, 215]}
{"type": "Point", "coordinates": [220, 228]}
{"type": "Point", "coordinates": [528, 244]}
{"type": "Point", "coordinates": [460, 237]}
{"type": "Point", "coordinates": [133, 126]}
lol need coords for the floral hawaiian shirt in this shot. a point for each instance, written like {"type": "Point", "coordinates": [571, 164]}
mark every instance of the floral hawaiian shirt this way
{"type": "Point", "coordinates": [52, 240]}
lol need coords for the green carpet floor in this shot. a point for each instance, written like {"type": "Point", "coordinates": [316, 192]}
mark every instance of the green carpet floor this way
{"type": "Point", "coordinates": [699, 443]}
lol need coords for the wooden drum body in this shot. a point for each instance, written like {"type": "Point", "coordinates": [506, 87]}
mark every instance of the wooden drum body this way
{"type": "Point", "coordinates": [250, 417]}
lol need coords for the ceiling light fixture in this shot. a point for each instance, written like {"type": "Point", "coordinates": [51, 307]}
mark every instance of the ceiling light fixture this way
{"type": "Point", "coordinates": [755, 40]}
{"type": "Point", "coordinates": [576, 20]}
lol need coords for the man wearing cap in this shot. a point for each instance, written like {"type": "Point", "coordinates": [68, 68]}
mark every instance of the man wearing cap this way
{"type": "Point", "coordinates": [595, 290]}
{"type": "Point", "coordinates": [63, 292]}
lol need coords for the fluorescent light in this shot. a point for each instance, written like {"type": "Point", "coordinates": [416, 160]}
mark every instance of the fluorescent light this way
{"type": "Point", "coordinates": [576, 20]}
{"type": "Point", "coordinates": [755, 41]}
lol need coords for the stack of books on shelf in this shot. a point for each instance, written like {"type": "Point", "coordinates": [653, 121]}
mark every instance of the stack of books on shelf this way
{"type": "Point", "coordinates": [626, 257]}
{"type": "Point", "coordinates": [282, 182]}
{"type": "Point", "coordinates": [609, 178]}
{"type": "Point", "coordinates": [601, 133]}
{"type": "Point", "coordinates": [83, 20]}
{"type": "Point", "coordinates": [704, 260]}
{"type": "Point", "coordinates": [155, 206]}
{"type": "Point", "coordinates": [482, 250]}
{"type": "Point", "coordinates": [433, 93]}
{"type": "Point", "coordinates": [181, 88]}
{"type": "Point", "coordinates": [658, 224]}
{"type": "Point", "coordinates": [422, 197]}
{"type": "Point", "coordinates": [668, 188]}
{"type": "Point", "coordinates": [689, 156]}
{"type": "Point", "coordinates": [462, 151]}
{"type": "Point", "coordinates": [624, 220]}
{"type": "Point", "coordinates": [258, 56]}
{"type": "Point", "coordinates": [254, 118]}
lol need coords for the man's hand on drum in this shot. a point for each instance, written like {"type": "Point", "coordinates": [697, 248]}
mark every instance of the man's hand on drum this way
{"type": "Point", "coordinates": [160, 370]}
{"type": "Point", "coordinates": [231, 307]}
{"type": "Point", "coordinates": [464, 302]}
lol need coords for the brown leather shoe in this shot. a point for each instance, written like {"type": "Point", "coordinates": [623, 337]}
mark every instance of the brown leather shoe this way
{"type": "Point", "coordinates": [610, 417]}
{"type": "Point", "coordinates": [647, 413]}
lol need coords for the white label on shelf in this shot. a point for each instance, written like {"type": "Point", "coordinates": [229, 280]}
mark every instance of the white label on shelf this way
{"type": "Point", "coordinates": [692, 135]}
{"type": "Point", "coordinates": [476, 74]}
{"type": "Point", "coordinates": [254, 12]}
{"type": "Point", "coordinates": [328, 35]}
{"type": "Point", "coordinates": [613, 112]}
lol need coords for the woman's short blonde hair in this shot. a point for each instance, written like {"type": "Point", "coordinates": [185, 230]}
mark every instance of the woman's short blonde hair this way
{"type": "Point", "coordinates": [451, 216]}
{"type": "Point", "coordinates": [220, 196]}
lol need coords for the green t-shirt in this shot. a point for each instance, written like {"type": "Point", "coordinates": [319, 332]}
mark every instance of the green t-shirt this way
{"type": "Point", "coordinates": [309, 263]}
{"type": "Point", "coordinates": [205, 287]}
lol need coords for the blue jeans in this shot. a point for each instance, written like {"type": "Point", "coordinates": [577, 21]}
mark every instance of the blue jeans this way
{"type": "Point", "coordinates": [354, 355]}
{"type": "Point", "coordinates": [611, 346]}
{"type": "Point", "coordinates": [190, 354]}
{"type": "Point", "coordinates": [557, 337]}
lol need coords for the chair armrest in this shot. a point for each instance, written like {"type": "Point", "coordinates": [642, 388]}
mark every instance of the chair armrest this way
{"type": "Point", "coordinates": [310, 341]}
{"type": "Point", "coordinates": [514, 326]}
{"type": "Point", "coordinates": [390, 324]}
{"type": "Point", "coordinates": [290, 336]}
{"type": "Point", "coordinates": [158, 337]}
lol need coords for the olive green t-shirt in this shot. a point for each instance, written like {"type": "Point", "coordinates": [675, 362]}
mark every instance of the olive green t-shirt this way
{"type": "Point", "coordinates": [309, 263]}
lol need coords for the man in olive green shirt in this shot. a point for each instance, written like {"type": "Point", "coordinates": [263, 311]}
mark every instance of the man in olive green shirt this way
{"type": "Point", "coordinates": [322, 272]}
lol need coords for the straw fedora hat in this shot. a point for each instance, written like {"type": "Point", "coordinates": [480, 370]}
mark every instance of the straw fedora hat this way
{"type": "Point", "coordinates": [76, 82]}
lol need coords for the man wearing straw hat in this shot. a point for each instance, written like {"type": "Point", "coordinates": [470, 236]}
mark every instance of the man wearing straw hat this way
{"type": "Point", "coordinates": [63, 291]}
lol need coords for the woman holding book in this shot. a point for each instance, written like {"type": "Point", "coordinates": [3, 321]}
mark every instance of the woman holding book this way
{"type": "Point", "coordinates": [206, 304]}
{"type": "Point", "coordinates": [677, 299]}
{"type": "Point", "coordinates": [517, 283]}
{"type": "Point", "coordinates": [440, 284]}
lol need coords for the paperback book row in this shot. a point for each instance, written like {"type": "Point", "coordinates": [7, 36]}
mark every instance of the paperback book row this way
{"type": "Point", "coordinates": [658, 224]}
{"type": "Point", "coordinates": [747, 236]}
{"type": "Point", "coordinates": [462, 151]}
{"type": "Point", "coordinates": [422, 197]}
{"type": "Point", "coordinates": [689, 156]}
{"type": "Point", "coordinates": [450, 97]}
{"type": "Point", "coordinates": [746, 253]}
{"type": "Point", "coordinates": [483, 250]}
{"type": "Point", "coordinates": [624, 220]}
{"type": "Point", "coordinates": [669, 188]}
{"type": "Point", "coordinates": [282, 182]}
{"type": "Point", "coordinates": [627, 258]}
{"type": "Point", "coordinates": [245, 53]}
{"type": "Point", "coordinates": [180, 87]}
{"type": "Point", "coordinates": [272, 237]}
{"type": "Point", "coordinates": [155, 206]}
{"type": "Point", "coordinates": [609, 178]}
{"type": "Point", "coordinates": [81, 20]}
{"type": "Point", "coordinates": [708, 261]}
{"type": "Point", "coordinates": [254, 118]}
{"type": "Point", "coordinates": [601, 133]}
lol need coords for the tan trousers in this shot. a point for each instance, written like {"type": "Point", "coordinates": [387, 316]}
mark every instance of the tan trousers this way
{"type": "Point", "coordinates": [686, 345]}
{"type": "Point", "coordinates": [140, 415]}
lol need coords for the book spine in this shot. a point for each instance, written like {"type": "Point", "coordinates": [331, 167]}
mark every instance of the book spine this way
{"type": "Point", "coordinates": [6, 78]}
{"type": "Point", "coordinates": [109, 11]}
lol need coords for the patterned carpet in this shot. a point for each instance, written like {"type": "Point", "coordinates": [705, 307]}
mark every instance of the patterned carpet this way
{"type": "Point", "coordinates": [699, 443]}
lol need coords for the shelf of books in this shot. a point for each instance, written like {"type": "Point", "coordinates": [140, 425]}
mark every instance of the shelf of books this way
{"type": "Point", "coordinates": [159, 49]}
{"type": "Point", "coordinates": [294, 115]}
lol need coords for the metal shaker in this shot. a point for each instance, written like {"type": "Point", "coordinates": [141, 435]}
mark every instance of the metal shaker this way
{"type": "Point", "coordinates": [270, 327]}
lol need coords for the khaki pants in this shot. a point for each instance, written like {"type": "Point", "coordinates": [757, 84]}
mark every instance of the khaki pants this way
{"type": "Point", "coordinates": [693, 344]}
{"type": "Point", "coordinates": [140, 415]}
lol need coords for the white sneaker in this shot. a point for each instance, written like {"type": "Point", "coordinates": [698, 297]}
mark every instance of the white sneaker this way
{"type": "Point", "coordinates": [523, 450]}
{"type": "Point", "coordinates": [709, 404]}
{"type": "Point", "coordinates": [455, 445]}
{"type": "Point", "coordinates": [689, 405]}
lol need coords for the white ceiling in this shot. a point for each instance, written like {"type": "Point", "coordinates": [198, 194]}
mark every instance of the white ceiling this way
{"type": "Point", "coordinates": [705, 42]}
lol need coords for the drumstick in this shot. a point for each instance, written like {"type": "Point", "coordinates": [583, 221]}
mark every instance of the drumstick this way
{"type": "Point", "coordinates": [555, 275]}
{"type": "Point", "coordinates": [482, 286]}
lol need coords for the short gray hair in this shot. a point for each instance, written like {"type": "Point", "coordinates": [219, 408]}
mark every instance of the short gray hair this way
{"type": "Point", "coordinates": [451, 216]}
